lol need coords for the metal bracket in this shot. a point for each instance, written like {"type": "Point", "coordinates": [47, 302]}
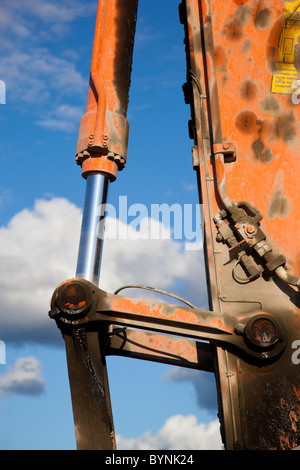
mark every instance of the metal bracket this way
{"type": "Point", "coordinates": [77, 303]}
{"type": "Point", "coordinates": [227, 149]}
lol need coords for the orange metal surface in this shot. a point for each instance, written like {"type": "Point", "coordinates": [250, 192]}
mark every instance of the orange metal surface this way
{"type": "Point", "coordinates": [169, 313]}
{"type": "Point", "coordinates": [100, 164]}
{"type": "Point", "coordinates": [104, 128]}
{"type": "Point", "coordinates": [246, 59]}
{"type": "Point", "coordinates": [161, 348]}
{"type": "Point", "coordinates": [262, 121]}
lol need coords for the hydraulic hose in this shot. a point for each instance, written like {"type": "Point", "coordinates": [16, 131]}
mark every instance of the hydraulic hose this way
{"type": "Point", "coordinates": [232, 208]}
{"type": "Point", "coordinates": [288, 278]}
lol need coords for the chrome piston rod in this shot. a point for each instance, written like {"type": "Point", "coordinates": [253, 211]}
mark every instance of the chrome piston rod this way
{"type": "Point", "coordinates": [92, 229]}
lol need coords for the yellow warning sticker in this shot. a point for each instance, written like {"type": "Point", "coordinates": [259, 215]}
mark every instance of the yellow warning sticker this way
{"type": "Point", "coordinates": [287, 66]}
{"type": "Point", "coordinates": [283, 81]}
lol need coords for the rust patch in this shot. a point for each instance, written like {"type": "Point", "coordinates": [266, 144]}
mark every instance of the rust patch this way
{"type": "Point", "coordinates": [294, 420]}
{"type": "Point", "coordinates": [233, 27]}
{"type": "Point", "coordinates": [285, 127]}
{"type": "Point", "coordinates": [262, 19]}
{"type": "Point", "coordinates": [209, 42]}
{"type": "Point", "coordinates": [232, 30]}
{"type": "Point", "coordinates": [291, 416]}
{"type": "Point", "coordinates": [272, 44]}
{"type": "Point", "coordinates": [246, 47]}
{"type": "Point", "coordinates": [270, 105]}
{"type": "Point", "coordinates": [262, 153]}
{"type": "Point", "coordinates": [297, 393]}
{"type": "Point", "coordinates": [279, 206]}
{"type": "Point", "coordinates": [75, 306]}
{"type": "Point", "coordinates": [265, 155]}
{"type": "Point", "coordinates": [242, 15]}
{"type": "Point", "coordinates": [220, 58]}
{"type": "Point", "coordinates": [246, 122]}
{"type": "Point", "coordinates": [125, 24]}
{"type": "Point", "coordinates": [248, 90]}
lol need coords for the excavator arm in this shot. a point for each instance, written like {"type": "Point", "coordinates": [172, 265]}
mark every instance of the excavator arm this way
{"type": "Point", "coordinates": [241, 85]}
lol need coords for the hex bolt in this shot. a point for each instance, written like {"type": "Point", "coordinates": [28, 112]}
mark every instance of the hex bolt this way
{"type": "Point", "coordinates": [105, 141]}
{"type": "Point", "coordinates": [91, 140]}
{"type": "Point", "coordinates": [250, 229]}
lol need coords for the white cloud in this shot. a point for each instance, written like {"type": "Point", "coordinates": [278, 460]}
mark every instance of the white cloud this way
{"type": "Point", "coordinates": [178, 433]}
{"type": "Point", "coordinates": [41, 79]}
{"type": "Point", "coordinates": [54, 11]}
{"type": "Point", "coordinates": [162, 263]}
{"type": "Point", "coordinates": [24, 377]}
{"type": "Point", "coordinates": [64, 117]}
{"type": "Point", "coordinates": [58, 11]}
{"type": "Point", "coordinates": [27, 23]}
{"type": "Point", "coordinates": [31, 76]}
{"type": "Point", "coordinates": [38, 250]}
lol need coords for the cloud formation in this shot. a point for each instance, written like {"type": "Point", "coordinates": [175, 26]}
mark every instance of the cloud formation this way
{"type": "Point", "coordinates": [49, 81]}
{"type": "Point", "coordinates": [64, 118]}
{"type": "Point", "coordinates": [21, 18]}
{"type": "Point", "coordinates": [178, 433]}
{"type": "Point", "coordinates": [159, 262]}
{"type": "Point", "coordinates": [38, 251]}
{"type": "Point", "coordinates": [24, 377]}
{"type": "Point", "coordinates": [36, 75]}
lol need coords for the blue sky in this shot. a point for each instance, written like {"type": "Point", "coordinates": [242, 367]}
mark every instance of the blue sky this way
{"type": "Point", "coordinates": [46, 50]}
